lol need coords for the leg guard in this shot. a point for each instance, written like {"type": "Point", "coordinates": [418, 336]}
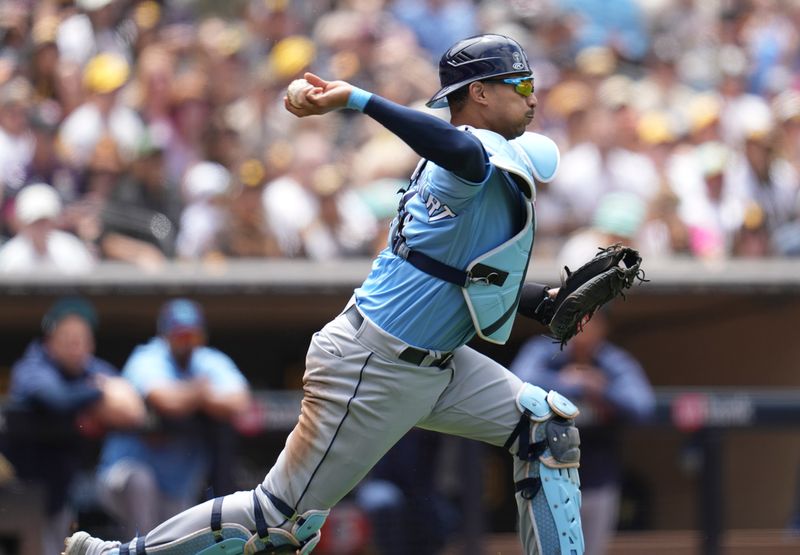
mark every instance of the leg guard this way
{"type": "Point", "coordinates": [303, 538]}
{"type": "Point", "coordinates": [231, 546]}
{"type": "Point", "coordinates": [546, 467]}
{"type": "Point", "coordinates": [202, 530]}
{"type": "Point", "coordinates": [277, 541]}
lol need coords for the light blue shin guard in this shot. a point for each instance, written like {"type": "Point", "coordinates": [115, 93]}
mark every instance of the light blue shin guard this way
{"type": "Point", "coordinates": [230, 540]}
{"type": "Point", "coordinates": [214, 529]}
{"type": "Point", "coordinates": [277, 541]}
{"type": "Point", "coordinates": [546, 465]}
{"type": "Point", "coordinates": [303, 539]}
{"type": "Point", "coordinates": [231, 546]}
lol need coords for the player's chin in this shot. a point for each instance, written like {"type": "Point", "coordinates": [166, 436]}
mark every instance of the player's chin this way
{"type": "Point", "coordinates": [529, 119]}
{"type": "Point", "coordinates": [520, 130]}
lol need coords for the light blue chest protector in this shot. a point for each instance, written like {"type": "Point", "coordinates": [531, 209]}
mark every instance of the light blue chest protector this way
{"type": "Point", "coordinates": [493, 307]}
{"type": "Point", "coordinates": [492, 282]}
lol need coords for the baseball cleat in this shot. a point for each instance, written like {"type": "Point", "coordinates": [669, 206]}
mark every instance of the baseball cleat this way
{"type": "Point", "coordinates": [81, 543]}
{"type": "Point", "coordinates": [73, 545]}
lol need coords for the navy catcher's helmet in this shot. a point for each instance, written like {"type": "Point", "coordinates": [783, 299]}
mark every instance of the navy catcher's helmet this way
{"type": "Point", "coordinates": [476, 58]}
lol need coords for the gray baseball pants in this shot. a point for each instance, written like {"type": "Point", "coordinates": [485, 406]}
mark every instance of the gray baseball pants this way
{"type": "Point", "coordinates": [359, 400]}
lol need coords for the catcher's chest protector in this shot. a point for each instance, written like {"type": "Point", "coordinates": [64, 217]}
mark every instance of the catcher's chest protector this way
{"type": "Point", "coordinates": [492, 282]}
{"type": "Point", "coordinates": [492, 306]}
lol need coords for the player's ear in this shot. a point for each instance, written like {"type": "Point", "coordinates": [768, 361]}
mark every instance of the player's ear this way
{"type": "Point", "coordinates": [477, 92]}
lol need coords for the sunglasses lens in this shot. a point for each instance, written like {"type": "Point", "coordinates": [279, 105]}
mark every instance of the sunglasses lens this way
{"type": "Point", "coordinates": [525, 88]}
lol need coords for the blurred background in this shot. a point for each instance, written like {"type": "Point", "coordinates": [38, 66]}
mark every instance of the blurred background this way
{"type": "Point", "coordinates": [145, 155]}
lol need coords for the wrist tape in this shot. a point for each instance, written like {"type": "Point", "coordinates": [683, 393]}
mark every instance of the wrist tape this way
{"type": "Point", "coordinates": [358, 99]}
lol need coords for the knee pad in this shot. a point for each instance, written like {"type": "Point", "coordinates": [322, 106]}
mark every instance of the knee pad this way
{"type": "Point", "coordinates": [548, 447]}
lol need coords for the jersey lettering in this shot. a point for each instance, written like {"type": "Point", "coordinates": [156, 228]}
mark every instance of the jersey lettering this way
{"type": "Point", "coordinates": [436, 210]}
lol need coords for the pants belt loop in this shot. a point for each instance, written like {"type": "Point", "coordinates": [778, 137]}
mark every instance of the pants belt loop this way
{"type": "Point", "coordinates": [354, 316]}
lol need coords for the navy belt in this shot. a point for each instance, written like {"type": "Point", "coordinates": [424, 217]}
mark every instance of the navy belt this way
{"type": "Point", "coordinates": [412, 355]}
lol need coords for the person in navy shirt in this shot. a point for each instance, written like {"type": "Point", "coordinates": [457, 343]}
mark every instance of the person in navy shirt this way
{"type": "Point", "coordinates": [61, 398]}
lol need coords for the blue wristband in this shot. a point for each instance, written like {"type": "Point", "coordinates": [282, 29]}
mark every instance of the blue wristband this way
{"type": "Point", "coordinates": [358, 99]}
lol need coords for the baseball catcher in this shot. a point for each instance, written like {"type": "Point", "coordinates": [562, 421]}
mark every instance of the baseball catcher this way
{"type": "Point", "coordinates": [396, 356]}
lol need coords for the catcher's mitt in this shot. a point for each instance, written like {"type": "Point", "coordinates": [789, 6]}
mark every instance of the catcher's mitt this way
{"type": "Point", "coordinates": [583, 291]}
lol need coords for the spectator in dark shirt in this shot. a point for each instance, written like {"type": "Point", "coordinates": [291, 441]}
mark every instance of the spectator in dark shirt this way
{"type": "Point", "coordinates": [610, 387]}
{"type": "Point", "coordinates": [60, 397]}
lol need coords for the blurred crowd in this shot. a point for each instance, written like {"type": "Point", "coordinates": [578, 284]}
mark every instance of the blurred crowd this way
{"type": "Point", "coordinates": [144, 131]}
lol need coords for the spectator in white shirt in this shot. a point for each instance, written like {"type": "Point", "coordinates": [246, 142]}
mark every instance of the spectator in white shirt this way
{"type": "Point", "coordinates": [38, 245]}
{"type": "Point", "coordinates": [600, 165]}
{"type": "Point", "coordinates": [205, 190]}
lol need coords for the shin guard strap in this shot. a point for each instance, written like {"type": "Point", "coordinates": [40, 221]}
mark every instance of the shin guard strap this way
{"type": "Point", "coordinates": [526, 451]}
{"type": "Point", "coordinates": [216, 519]}
{"type": "Point", "coordinates": [261, 523]}
{"type": "Point", "coordinates": [528, 487]}
{"type": "Point", "coordinates": [138, 546]}
{"type": "Point", "coordinates": [535, 449]}
{"type": "Point", "coordinates": [522, 431]}
{"type": "Point", "coordinates": [285, 509]}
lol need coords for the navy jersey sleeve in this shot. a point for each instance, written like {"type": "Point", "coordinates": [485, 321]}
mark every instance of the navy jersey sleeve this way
{"type": "Point", "coordinates": [40, 385]}
{"type": "Point", "coordinates": [432, 138]}
{"type": "Point", "coordinates": [629, 390]}
{"type": "Point", "coordinates": [536, 363]}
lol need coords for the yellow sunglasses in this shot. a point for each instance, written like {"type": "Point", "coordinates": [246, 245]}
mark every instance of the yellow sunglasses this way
{"type": "Point", "coordinates": [523, 85]}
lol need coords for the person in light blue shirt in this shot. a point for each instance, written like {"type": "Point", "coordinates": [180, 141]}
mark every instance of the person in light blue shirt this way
{"type": "Point", "coordinates": [437, 25]}
{"type": "Point", "coordinates": [147, 477]}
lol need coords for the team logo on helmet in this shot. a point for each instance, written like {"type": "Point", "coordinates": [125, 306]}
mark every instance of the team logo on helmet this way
{"type": "Point", "coordinates": [517, 61]}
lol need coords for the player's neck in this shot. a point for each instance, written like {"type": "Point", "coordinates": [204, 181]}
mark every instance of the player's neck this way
{"type": "Point", "coordinates": [466, 117]}
{"type": "Point", "coordinates": [473, 119]}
